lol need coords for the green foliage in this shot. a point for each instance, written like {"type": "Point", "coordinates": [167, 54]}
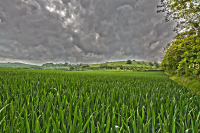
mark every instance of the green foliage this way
{"type": "Point", "coordinates": [156, 64]}
{"type": "Point", "coordinates": [71, 67]}
{"type": "Point", "coordinates": [85, 66]}
{"type": "Point", "coordinates": [128, 62]}
{"type": "Point", "coordinates": [121, 67]}
{"type": "Point", "coordinates": [150, 63]}
{"type": "Point", "coordinates": [55, 65]}
{"type": "Point", "coordinates": [66, 64]}
{"type": "Point", "coordinates": [186, 12]}
{"type": "Point", "coordinates": [183, 56]}
{"type": "Point", "coordinates": [58, 101]}
{"type": "Point", "coordinates": [104, 65]}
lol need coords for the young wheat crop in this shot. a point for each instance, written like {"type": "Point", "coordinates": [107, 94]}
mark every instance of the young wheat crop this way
{"type": "Point", "coordinates": [47, 101]}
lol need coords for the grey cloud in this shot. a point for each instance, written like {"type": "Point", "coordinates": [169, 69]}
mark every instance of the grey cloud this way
{"type": "Point", "coordinates": [85, 3]}
{"type": "Point", "coordinates": [66, 1]}
{"type": "Point", "coordinates": [86, 31]}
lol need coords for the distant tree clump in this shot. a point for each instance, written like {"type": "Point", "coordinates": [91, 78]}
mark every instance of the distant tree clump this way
{"type": "Point", "coordinates": [104, 65]}
{"type": "Point", "coordinates": [150, 63]}
{"type": "Point", "coordinates": [66, 64]}
{"type": "Point", "coordinates": [71, 67]}
{"type": "Point", "coordinates": [84, 66]}
{"type": "Point", "coordinates": [133, 60]}
{"type": "Point", "coordinates": [128, 62]}
{"type": "Point", "coordinates": [156, 64]}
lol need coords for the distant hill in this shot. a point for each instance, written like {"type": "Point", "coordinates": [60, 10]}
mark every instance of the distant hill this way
{"type": "Point", "coordinates": [16, 65]}
{"type": "Point", "coordinates": [123, 63]}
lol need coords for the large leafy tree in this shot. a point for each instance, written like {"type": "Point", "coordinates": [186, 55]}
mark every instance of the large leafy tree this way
{"type": "Point", "coordinates": [185, 12]}
{"type": "Point", "coordinates": [183, 55]}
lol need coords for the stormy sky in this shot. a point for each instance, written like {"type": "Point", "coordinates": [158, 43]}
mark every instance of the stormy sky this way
{"type": "Point", "coordinates": [82, 31]}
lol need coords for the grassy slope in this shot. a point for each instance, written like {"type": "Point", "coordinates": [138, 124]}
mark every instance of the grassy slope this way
{"type": "Point", "coordinates": [14, 65]}
{"type": "Point", "coordinates": [191, 83]}
{"type": "Point", "coordinates": [123, 63]}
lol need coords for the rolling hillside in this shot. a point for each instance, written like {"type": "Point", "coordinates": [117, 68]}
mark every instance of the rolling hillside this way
{"type": "Point", "coordinates": [123, 63]}
{"type": "Point", "coordinates": [15, 65]}
{"type": "Point", "coordinates": [116, 63]}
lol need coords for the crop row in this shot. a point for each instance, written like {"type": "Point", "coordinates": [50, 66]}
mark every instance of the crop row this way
{"type": "Point", "coordinates": [34, 101]}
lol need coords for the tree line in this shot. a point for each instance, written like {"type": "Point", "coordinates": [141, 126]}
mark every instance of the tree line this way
{"type": "Point", "coordinates": [82, 67]}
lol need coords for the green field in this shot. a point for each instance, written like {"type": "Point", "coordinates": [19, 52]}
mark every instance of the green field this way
{"type": "Point", "coordinates": [95, 101]}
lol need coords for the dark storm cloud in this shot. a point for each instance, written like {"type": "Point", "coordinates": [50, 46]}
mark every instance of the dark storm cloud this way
{"type": "Point", "coordinates": [86, 31]}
